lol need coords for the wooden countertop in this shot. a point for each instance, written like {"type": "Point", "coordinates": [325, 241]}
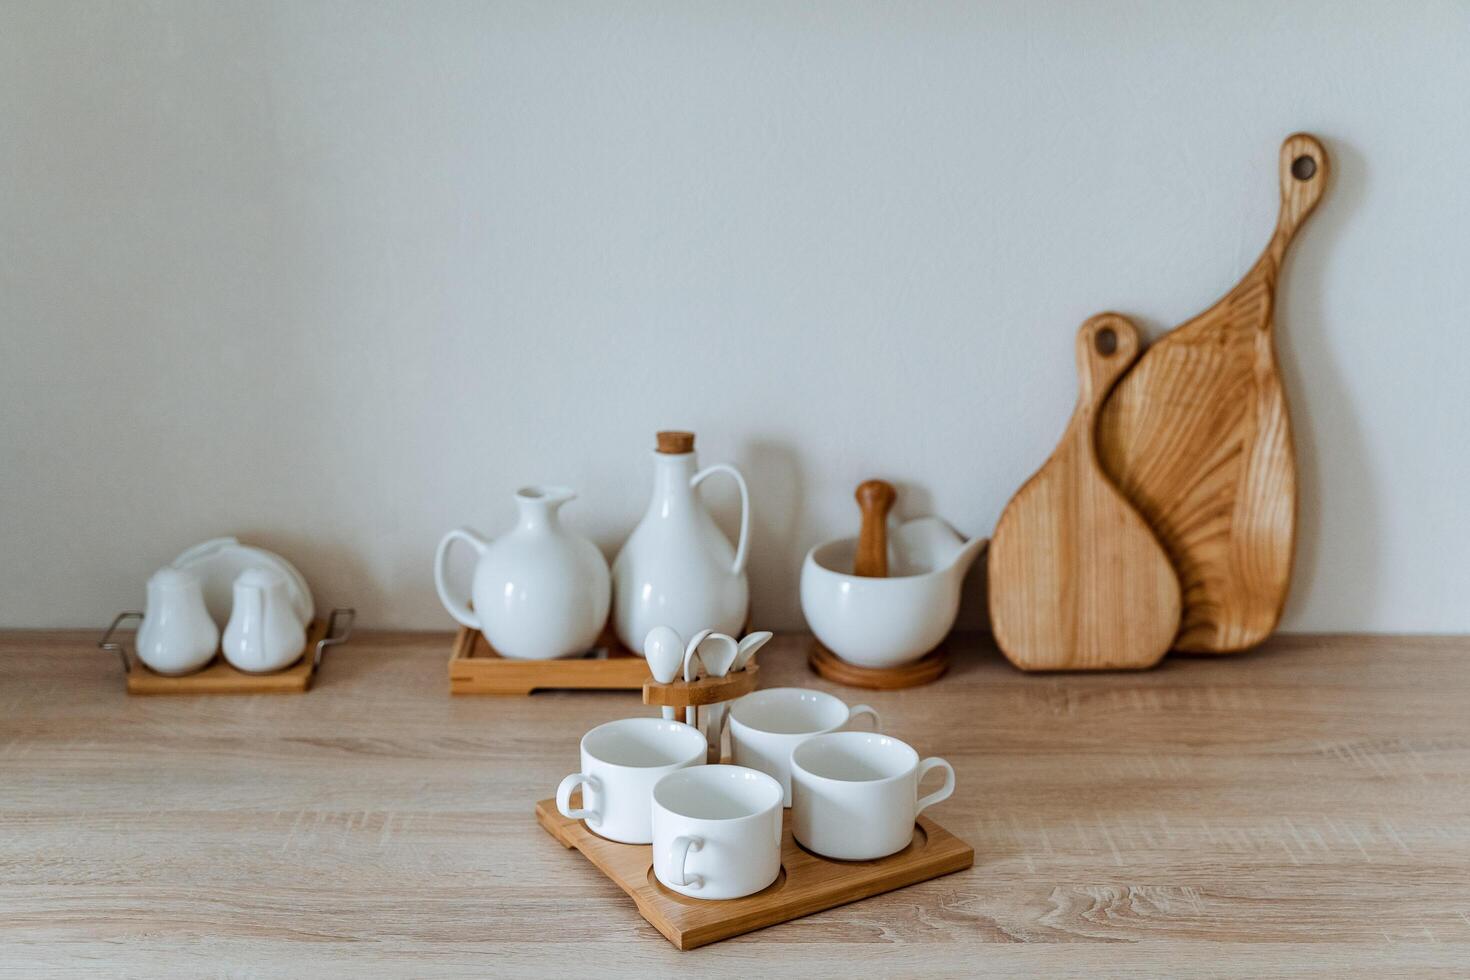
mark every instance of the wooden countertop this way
{"type": "Point", "coordinates": [1304, 809]}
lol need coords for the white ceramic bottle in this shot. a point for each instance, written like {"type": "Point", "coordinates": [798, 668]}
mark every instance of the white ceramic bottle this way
{"type": "Point", "coordinates": [677, 569]}
{"type": "Point", "coordinates": [264, 632]}
{"type": "Point", "coordinates": [539, 592]}
{"type": "Point", "coordinates": [176, 635]}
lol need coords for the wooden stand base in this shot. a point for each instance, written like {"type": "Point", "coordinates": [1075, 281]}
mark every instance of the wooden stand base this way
{"type": "Point", "coordinates": [475, 668]}
{"type": "Point", "coordinates": [928, 668]}
{"type": "Point", "coordinates": [807, 883]}
{"type": "Point", "coordinates": [221, 678]}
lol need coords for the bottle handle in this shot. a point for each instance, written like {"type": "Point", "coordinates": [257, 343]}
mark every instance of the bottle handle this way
{"type": "Point", "coordinates": [454, 605]}
{"type": "Point", "coordinates": [698, 478]}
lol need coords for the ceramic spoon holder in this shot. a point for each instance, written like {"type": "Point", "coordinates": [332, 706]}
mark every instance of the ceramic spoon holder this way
{"type": "Point", "coordinates": [219, 677]}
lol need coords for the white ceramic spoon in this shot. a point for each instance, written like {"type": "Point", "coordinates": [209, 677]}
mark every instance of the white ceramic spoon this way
{"type": "Point", "coordinates": [664, 650]}
{"type": "Point", "coordinates": [691, 671]}
{"type": "Point", "coordinates": [748, 647]}
{"type": "Point", "coordinates": [717, 652]}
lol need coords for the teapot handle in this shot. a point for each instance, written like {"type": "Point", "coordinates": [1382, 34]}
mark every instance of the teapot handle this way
{"type": "Point", "coordinates": [698, 478]}
{"type": "Point", "coordinates": [454, 605]}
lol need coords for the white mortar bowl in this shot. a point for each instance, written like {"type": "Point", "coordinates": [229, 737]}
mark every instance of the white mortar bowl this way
{"type": "Point", "coordinates": [881, 622]}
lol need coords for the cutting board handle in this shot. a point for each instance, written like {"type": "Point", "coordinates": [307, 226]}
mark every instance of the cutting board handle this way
{"type": "Point", "coordinates": [1304, 170]}
{"type": "Point", "coordinates": [1106, 345]}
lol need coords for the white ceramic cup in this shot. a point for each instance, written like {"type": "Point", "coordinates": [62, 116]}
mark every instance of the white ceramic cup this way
{"type": "Point", "coordinates": [766, 725]}
{"type": "Point", "coordinates": [621, 762]}
{"type": "Point", "coordinates": [855, 795]}
{"type": "Point", "coordinates": [717, 831]}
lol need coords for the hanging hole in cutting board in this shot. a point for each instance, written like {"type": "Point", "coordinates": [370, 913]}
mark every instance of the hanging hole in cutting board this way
{"type": "Point", "coordinates": [1106, 341]}
{"type": "Point", "coordinates": [1303, 167]}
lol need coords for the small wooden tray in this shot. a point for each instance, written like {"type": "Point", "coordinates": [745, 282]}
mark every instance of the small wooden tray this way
{"type": "Point", "coordinates": [927, 668]}
{"type": "Point", "coordinates": [807, 883]}
{"type": "Point", "coordinates": [475, 668]}
{"type": "Point", "coordinates": [221, 678]}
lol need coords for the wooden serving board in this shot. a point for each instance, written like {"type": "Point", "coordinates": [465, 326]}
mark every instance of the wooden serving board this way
{"type": "Point", "coordinates": [807, 883]}
{"type": "Point", "coordinates": [475, 668]}
{"type": "Point", "coordinates": [1077, 580]}
{"type": "Point", "coordinates": [1198, 438]}
{"type": "Point", "coordinates": [221, 678]}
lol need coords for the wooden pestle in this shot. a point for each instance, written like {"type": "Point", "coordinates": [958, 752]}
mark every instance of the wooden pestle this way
{"type": "Point", "coordinates": [875, 497]}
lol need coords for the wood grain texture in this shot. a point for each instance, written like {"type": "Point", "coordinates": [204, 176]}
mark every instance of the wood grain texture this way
{"type": "Point", "coordinates": [702, 692]}
{"type": "Point", "coordinates": [476, 668]}
{"type": "Point", "coordinates": [1198, 437]}
{"type": "Point", "coordinates": [926, 670]}
{"type": "Point", "coordinates": [675, 442]}
{"type": "Point", "coordinates": [1315, 822]}
{"type": "Point", "coordinates": [806, 885]}
{"type": "Point", "coordinates": [1077, 580]}
{"type": "Point", "coordinates": [875, 498]}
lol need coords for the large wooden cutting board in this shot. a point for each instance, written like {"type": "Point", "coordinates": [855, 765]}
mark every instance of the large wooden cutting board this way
{"type": "Point", "coordinates": [1077, 579]}
{"type": "Point", "coordinates": [1198, 438]}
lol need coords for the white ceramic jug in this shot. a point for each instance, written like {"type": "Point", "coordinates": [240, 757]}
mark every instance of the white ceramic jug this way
{"type": "Point", "coordinates": [264, 633]}
{"type": "Point", "coordinates": [177, 636]}
{"type": "Point", "coordinates": [539, 592]}
{"type": "Point", "coordinates": [677, 569]}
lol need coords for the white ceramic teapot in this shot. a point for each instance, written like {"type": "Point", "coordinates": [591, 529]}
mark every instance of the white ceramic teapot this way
{"type": "Point", "coordinates": [264, 633]}
{"type": "Point", "coordinates": [677, 569]}
{"type": "Point", "coordinates": [539, 592]}
{"type": "Point", "coordinates": [176, 635]}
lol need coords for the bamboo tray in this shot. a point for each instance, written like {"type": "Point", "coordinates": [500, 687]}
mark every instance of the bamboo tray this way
{"type": "Point", "coordinates": [475, 668]}
{"type": "Point", "coordinates": [221, 678]}
{"type": "Point", "coordinates": [807, 883]}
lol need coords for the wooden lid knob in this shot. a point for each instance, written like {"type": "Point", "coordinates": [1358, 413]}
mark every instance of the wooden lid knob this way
{"type": "Point", "coordinates": [675, 443]}
{"type": "Point", "coordinates": [875, 497]}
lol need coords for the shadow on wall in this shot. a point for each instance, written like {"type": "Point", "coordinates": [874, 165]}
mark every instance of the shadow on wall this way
{"type": "Point", "coordinates": [334, 571]}
{"type": "Point", "coordinates": [778, 518]}
{"type": "Point", "coordinates": [1320, 404]}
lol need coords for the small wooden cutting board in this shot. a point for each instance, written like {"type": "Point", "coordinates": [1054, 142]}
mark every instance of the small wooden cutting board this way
{"type": "Point", "coordinates": [1077, 579]}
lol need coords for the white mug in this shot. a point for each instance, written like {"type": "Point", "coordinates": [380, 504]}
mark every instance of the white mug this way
{"type": "Point", "coordinates": [717, 831]}
{"type": "Point", "coordinates": [854, 795]}
{"type": "Point", "coordinates": [621, 761]}
{"type": "Point", "coordinates": [766, 725]}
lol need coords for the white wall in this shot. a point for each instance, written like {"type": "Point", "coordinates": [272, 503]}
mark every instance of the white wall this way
{"type": "Point", "coordinates": [339, 276]}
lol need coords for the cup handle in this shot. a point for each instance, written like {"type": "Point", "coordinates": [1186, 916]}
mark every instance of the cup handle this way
{"type": "Point", "coordinates": [870, 711]}
{"type": "Point", "coordinates": [942, 793]}
{"type": "Point", "coordinates": [454, 605]}
{"type": "Point", "coordinates": [678, 854]}
{"type": "Point", "coordinates": [564, 798]}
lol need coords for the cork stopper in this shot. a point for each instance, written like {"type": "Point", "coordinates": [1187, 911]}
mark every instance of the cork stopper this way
{"type": "Point", "coordinates": [675, 443]}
